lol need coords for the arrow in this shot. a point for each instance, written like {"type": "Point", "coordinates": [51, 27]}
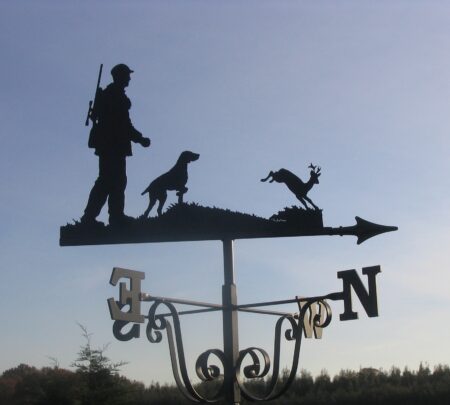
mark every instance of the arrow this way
{"type": "Point", "coordinates": [363, 230]}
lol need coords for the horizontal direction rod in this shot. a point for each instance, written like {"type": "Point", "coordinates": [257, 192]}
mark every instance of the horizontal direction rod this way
{"type": "Point", "coordinates": [332, 296]}
{"type": "Point", "coordinates": [264, 312]}
{"type": "Point", "coordinates": [211, 307]}
{"type": "Point", "coordinates": [150, 298]}
{"type": "Point", "coordinates": [250, 310]}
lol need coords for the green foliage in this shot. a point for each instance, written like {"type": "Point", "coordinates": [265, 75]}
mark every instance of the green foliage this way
{"type": "Point", "coordinates": [93, 361]}
{"type": "Point", "coordinates": [100, 383]}
{"type": "Point", "coordinates": [26, 385]}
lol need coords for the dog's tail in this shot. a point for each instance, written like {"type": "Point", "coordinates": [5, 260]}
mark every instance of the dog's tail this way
{"type": "Point", "coordinates": [147, 190]}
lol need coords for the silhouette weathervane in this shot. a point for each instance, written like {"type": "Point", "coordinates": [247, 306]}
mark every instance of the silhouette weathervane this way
{"type": "Point", "coordinates": [297, 186]}
{"type": "Point", "coordinates": [111, 136]}
{"type": "Point", "coordinates": [175, 179]}
{"type": "Point", "coordinates": [192, 222]}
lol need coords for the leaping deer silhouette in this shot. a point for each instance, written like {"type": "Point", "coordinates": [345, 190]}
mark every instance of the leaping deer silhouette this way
{"type": "Point", "coordinates": [295, 184]}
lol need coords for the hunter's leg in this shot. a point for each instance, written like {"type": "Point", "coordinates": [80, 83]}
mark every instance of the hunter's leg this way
{"type": "Point", "coordinates": [118, 183]}
{"type": "Point", "coordinates": [99, 193]}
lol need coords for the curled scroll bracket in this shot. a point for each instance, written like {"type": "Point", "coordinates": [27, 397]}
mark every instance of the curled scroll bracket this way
{"type": "Point", "coordinates": [258, 370]}
{"type": "Point", "coordinates": [158, 323]}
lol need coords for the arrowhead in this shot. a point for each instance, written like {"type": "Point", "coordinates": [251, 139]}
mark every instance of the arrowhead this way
{"type": "Point", "coordinates": [365, 229]}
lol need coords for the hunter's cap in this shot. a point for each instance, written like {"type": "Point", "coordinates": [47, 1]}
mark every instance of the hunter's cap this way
{"type": "Point", "coordinates": [119, 69]}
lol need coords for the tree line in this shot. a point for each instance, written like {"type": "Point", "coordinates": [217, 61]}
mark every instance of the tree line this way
{"type": "Point", "coordinates": [27, 385]}
{"type": "Point", "coordinates": [96, 381]}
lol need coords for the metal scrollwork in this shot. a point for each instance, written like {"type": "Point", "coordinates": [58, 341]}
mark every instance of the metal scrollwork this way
{"type": "Point", "coordinates": [209, 372]}
{"type": "Point", "coordinates": [158, 323]}
{"type": "Point", "coordinates": [323, 316]}
{"type": "Point", "coordinates": [256, 370]}
{"type": "Point", "coordinates": [155, 324]}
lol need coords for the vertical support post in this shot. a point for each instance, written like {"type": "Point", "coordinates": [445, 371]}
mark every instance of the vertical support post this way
{"type": "Point", "coordinates": [230, 326]}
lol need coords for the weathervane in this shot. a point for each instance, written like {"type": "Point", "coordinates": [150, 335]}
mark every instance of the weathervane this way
{"type": "Point", "coordinates": [192, 222]}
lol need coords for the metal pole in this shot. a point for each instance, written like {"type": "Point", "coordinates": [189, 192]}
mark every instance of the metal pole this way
{"type": "Point", "coordinates": [230, 326]}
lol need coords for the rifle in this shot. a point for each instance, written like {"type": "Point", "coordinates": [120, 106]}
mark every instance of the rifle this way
{"type": "Point", "coordinates": [92, 103]}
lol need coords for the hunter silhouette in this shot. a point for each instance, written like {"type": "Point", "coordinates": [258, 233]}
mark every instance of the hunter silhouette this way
{"type": "Point", "coordinates": [111, 136]}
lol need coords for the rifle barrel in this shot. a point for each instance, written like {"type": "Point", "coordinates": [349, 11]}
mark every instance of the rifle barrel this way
{"type": "Point", "coordinates": [92, 103]}
{"type": "Point", "coordinates": [88, 113]}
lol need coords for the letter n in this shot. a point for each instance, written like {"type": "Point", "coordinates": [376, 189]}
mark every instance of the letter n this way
{"type": "Point", "coordinates": [350, 279]}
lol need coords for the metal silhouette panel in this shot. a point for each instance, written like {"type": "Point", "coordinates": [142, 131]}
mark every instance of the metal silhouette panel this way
{"type": "Point", "coordinates": [111, 136]}
{"type": "Point", "coordinates": [193, 222]}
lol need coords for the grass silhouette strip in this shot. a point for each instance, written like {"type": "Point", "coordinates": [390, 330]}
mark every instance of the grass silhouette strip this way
{"type": "Point", "coordinates": [190, 222]}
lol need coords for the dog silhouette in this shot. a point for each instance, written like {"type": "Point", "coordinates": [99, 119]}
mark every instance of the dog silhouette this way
{"type": "Point", "coordinates": [175, 179]}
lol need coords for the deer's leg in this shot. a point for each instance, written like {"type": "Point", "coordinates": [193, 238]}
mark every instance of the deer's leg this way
{"type": "Point", "coordinates": [267, 178]}
{"type": "Point", "coordinates": [309, 200]}
{"type": "Point", "coordinates": [303, 202]}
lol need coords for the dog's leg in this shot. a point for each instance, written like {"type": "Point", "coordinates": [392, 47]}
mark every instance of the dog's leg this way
{"type": "Point", "coordinates": [181, 193]}
{"type": "Point", "coordinates": [151, 204]}
{"type": "Point", "coordinates": [162, 199]}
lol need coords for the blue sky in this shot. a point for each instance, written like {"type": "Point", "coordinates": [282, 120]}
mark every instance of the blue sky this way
{"type": "Point", "coordinates": [361, 88]}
